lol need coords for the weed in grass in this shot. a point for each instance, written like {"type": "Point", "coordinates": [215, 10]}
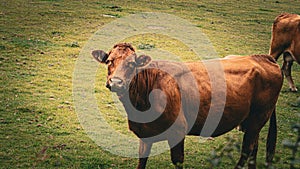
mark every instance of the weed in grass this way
{"type": "Point", "coordinates": [297, 103]}
{"type": "Point", "coordinates": [225, 151]}
{"type": "Point", "coordinates": [57, 34]}
{"type": "Point", "coordinates": [73, 45]}
{"type": "Point", "coordinates": [145, 46]}
{"type": "Point", "coordinates": [294, 147]}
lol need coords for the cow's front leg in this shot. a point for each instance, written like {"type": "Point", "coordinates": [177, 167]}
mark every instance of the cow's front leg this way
{"type": "Point", "coordinates": [177, 154]}
{"type": "Point", "coordinates": [144, 151]}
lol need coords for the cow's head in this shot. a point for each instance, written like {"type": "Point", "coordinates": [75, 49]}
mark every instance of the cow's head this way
{"type": "Point", "coordinates": [122, 65]}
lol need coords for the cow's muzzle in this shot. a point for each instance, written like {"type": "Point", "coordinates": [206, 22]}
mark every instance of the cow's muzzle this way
{"type": "Point", "coordinates": [115, 84]}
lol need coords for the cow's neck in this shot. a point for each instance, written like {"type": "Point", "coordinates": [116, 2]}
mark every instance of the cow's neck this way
{"type": "Point", "coordinates": [140, 87]}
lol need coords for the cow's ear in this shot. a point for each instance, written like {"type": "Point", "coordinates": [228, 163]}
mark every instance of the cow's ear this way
{"type": "Point", "coordinates": [100, 55]}
{"type": "Point", "coordinates": [143, 60]}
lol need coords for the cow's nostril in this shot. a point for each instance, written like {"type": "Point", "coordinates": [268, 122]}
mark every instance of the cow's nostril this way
{"type": "Point", "coordinates": [116, 80]}
{"type": "Point", "coordinates": [116, 84]}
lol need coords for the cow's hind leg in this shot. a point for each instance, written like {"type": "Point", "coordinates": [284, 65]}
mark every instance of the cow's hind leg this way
{"type": "Point", "coordinates": [252, 158]}
{"type": "Point", "coordinates": [144, 152]}
{"type": "Point", "coordinates": [177, 154]}
{"type": "Point", "coordinates": [249, 148]}
{"type": "Point", "coordinates": [287, 70]}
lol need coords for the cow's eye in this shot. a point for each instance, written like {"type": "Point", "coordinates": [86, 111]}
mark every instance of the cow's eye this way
{"type": "Point", "coordinates": [131, 64]}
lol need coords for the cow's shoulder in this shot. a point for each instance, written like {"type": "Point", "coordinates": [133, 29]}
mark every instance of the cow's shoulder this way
{"type": "Point", "coordinates": [263, 58]}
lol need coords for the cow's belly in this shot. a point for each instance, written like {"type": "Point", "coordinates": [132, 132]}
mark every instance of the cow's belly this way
{"type": "Point", "coordinates": [220, 123]}
{"type": "Point", "coordinates": [222, 127]}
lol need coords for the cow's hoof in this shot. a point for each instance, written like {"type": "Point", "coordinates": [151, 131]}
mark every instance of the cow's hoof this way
{"type": "Point", "coordinates": [294, 89]}
{"type": "Point", "coordinates": [179, 166]}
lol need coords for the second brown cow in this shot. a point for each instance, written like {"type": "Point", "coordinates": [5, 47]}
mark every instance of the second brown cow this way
{"type": "Point", "coordinates": [160, 99]}
{"type": "Point", "coordinates": [286, 40]}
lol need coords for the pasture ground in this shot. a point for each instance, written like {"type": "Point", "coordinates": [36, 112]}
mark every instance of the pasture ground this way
{"type": "Point", "coordinates": [40, 43]}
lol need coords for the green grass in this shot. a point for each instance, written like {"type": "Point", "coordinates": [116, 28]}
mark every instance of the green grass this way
{"type": "Point", "coordinates": [40, 44]}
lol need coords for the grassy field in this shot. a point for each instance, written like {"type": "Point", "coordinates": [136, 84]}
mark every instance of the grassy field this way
{"type": "Point", "coordinates": [40, 44]}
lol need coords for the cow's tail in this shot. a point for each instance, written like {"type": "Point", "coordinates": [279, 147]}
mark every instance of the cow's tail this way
{"type": "Point", "coordinates": [271, 140]}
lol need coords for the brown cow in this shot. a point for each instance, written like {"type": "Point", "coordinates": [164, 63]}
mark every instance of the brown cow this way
{"type": "Point", "coordinates": [165, 90]}
{"type": "Point", "coordinates": [286, 40]}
